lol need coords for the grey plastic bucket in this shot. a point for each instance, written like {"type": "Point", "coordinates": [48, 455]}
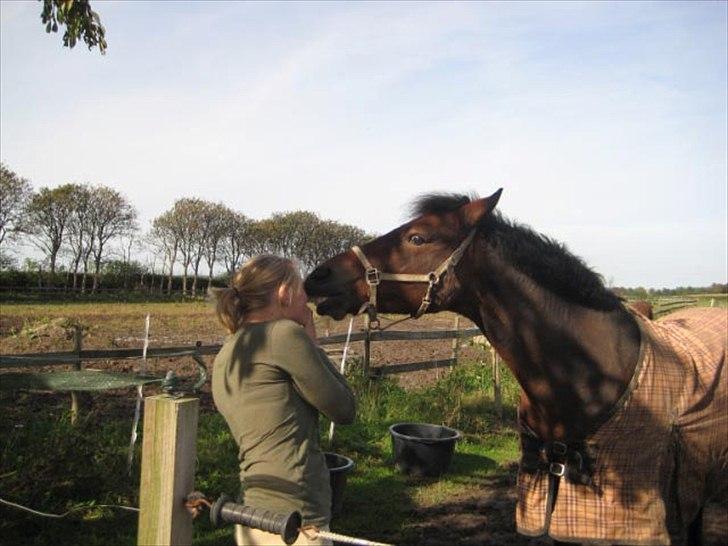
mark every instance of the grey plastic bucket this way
{"type": "Point", "coordinates": [339, 467]}
{"type": "Point", "coordinates": [421, 449]}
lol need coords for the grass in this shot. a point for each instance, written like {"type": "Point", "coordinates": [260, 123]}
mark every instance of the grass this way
{"type": "Point", "coordinates": [51, 465]}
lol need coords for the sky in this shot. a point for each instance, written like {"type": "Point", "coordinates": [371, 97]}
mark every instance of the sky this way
{"type": "Point", "coordinates": [605, 123]}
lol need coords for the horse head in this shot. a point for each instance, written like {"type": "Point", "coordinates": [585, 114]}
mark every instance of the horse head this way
{"type": "Point", "coordinates": [410, 265]}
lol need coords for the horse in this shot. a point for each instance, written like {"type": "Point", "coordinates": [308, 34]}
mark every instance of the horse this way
{"type": "Point", "coordinates": [623, 421]}
{"type": "Point", "coordinates": [643, 307]}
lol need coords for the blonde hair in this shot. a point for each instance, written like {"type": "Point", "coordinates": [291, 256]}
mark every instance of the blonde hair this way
{"type": "Point", "coordinates": [252, 287]}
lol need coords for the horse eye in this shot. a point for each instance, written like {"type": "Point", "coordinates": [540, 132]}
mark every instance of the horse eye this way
{"type": "Point", "coordinates": [417, 240]}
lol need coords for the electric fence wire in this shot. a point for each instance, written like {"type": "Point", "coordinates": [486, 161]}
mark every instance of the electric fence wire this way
{"type": "Point", "coordinates": [68, 512]}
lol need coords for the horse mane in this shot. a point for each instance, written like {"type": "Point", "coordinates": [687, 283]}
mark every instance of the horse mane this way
{"type": "Point", "coordinates": [546, 261]}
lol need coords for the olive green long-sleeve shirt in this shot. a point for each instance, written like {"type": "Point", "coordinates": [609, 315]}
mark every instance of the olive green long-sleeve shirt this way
{"type": "Point", "coordinates": [270, 381]}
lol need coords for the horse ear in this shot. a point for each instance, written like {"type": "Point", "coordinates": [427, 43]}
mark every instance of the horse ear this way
{"type": "Point", "coordinates": [476, 211]}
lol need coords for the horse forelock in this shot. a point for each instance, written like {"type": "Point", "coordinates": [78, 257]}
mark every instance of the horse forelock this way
{"type": "Point", "coordinates": [438, 203]}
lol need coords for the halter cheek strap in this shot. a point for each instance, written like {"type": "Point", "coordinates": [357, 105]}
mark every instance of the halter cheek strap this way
{"type": "Point", "coordinates": [374, 277]}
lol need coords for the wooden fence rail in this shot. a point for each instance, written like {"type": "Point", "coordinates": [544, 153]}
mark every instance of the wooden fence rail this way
{"type": "Point", "coordinates": [79, 355]}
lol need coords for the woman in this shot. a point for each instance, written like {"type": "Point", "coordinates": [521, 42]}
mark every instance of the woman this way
{"type": "Point", "coordinates": [270, 382]}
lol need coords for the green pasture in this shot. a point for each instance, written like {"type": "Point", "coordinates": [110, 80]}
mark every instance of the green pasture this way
{"type": "Point", "coordinates": [50, 465]}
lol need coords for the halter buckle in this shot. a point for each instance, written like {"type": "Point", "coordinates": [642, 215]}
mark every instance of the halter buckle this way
{"type": "Point", "coordinates": [557, 469]}
{"type": "Point", "coordinates": [372, 276]}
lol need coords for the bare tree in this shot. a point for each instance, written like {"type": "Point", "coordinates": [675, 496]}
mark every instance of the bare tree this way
{"type": "Point", "coordinates": [206, 238]}
{"type": "Point", "coordinates": [111, 216]}
{"type": "Point", "coordinates": [184, 220]}
{"type": "Point", "coordinates": [79, 232]}
{"type": "Point", "coordinates": [166, 242]}
{"type": "Point", "coordinates": [217, 216]}
{"type": "Point", "coordinates": [238, 239]}
{"type": "Point", "coordinates": [15, 193]}
{"type": "Point", "coordinates": [49, 211]}
{"type": "Point", "coordinates": [129, 242]}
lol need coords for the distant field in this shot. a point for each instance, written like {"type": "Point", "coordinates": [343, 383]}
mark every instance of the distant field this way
{"type": "Point", "coordinates": [712, 300]}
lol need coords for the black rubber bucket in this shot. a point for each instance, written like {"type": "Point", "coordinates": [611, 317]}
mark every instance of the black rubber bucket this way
{"type": "Point", "coordinates": [421, 449]}
{"type": "Point", "coordinates": [339, 466]}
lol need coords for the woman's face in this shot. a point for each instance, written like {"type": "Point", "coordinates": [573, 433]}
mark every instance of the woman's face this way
{"type": "Point", "coordinates": [294, 301]}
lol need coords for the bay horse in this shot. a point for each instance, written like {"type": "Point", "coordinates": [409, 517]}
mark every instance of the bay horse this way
{"type": "Point", "coordinates": [623, 421]}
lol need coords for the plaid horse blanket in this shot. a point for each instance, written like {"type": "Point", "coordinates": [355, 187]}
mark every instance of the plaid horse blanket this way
{"type": "Point", "coordinates": [644, 474]}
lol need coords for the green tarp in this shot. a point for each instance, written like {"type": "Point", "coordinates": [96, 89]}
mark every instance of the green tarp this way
{"type": "Point", "coordinates": [83, 380]}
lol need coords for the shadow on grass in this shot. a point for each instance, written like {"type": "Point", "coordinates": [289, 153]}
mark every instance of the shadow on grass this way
{"type": "Point", "coordinates": [381, 504]}
{"type": "Point", "coordinates": [484, 517]}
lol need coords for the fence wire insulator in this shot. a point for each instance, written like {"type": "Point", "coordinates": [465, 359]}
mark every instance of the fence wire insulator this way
{"type": "Point", "coordinates": [196, 503]}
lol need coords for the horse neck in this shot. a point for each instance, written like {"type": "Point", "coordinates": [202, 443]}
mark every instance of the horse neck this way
{"type": "Point", "coordinates": [572, 362]}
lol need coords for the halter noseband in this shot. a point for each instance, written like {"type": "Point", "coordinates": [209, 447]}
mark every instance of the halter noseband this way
{"type": "Point", "coordinates": [373, 277]}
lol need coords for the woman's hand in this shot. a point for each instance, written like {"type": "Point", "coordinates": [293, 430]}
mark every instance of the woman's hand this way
{"type": "Point", "coordinates": [297, 309]}
{"type": "Point", "coordinates": [309, 326]}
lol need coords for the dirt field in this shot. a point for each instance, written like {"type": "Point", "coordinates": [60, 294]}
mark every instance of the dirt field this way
{"type": "Point", "coordinates": [39, 328]}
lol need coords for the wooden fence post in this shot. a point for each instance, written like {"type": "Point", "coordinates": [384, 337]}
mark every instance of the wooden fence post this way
{"type": "Point", "coordinates": [168, 470]}
{"type": "Point", "coordinates": [455, 340]}
{"type": "Point", "coordinates": [367, 344]}
{"type": "Point", "coordinates": [77, 343]}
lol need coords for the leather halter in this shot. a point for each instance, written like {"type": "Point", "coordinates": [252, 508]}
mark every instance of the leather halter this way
{"type": "Point", "coordinates": [373, 277]}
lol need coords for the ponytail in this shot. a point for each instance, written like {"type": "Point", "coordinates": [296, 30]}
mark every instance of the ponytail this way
{"type": "Point", "coordinates": [252, 287]}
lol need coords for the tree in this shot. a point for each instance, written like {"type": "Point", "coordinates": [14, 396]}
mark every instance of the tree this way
{"type": "Point", "coordinates": [165, 241]}
{"type": "Point", "coordinates": [294, 233]}
{"type": "Point", "coordinates": [329, 238]}
{"type": "Point", "coordinates": [7, 262]}
{"type": "Point", "coordinates": [79, 232]}
{"type": "Point", "coordinates": [49, 211]}
{"type": "Point", "coordinates": [216, 217]}
{"type": "Point", "coordinates": [80, 21]}
{"type": "Point", "coordinates": [15, 193]}
{"type": "Point", "coordinates": [187, 220]}
{"type": "Point", "coordinates": [303, 236]}
{"type": "Point", "coordinates": [207, 237]}
{"type": "Point", "coordinates": [238, 239]}
{"type": "Point", "coordinates": [183, 221]}
{"type": "Point", "coordinates": [128, 244]}
{"type": "Point", "coordinates": [262, 236]}
{"type": "Point", "coordinates": [111, 216]}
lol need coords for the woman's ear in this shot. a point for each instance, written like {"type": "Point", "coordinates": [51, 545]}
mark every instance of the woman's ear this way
{"type": "Point", "coordinates": [285, 295]}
